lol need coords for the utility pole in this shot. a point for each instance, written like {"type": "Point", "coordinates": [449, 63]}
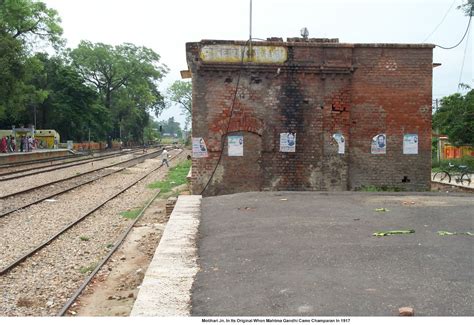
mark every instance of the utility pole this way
{"type": "Point", "coordinates": [34, 109]}
{"type": "Point", "coordinates": [250, 32]}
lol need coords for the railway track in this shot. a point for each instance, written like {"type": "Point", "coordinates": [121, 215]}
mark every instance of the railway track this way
{"type": "Point", "coordinates": [22, 199]}
{"type": "Point", "coordinates": [58, 239]}
{"type": "Point", "coordinates": [10, 174]}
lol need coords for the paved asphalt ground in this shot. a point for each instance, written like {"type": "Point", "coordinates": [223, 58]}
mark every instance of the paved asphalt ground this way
{"type": "Point", "coordinates": [313, 254]}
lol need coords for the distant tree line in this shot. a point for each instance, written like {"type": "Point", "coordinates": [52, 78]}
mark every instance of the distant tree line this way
{"type": "Point", "coordinates": [104, 90]}
{"type": "Point", "coordinates": [455, 118]}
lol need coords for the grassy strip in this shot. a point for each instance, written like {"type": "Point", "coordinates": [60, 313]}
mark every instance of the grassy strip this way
{"type": "Point", "coordinates": [176, 176]}
{"type": "Point", "coordinates": [131, 214]}
{"type": "Point", "coordinates": [383, 188]}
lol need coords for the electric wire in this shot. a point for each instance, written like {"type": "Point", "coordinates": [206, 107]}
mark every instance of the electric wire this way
{"type": "Point", "coordinates": [442, 20]}
{"type": "Point", "coordinates": [463, 59]}
{"type": "Point", "coordinates": [465, 33]}
{"type": "Point", "coordinates": [224, 136]}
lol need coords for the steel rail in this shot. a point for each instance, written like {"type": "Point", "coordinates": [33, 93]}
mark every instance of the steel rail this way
{"type": "Point", "coordinates": [64, 164]}
{"type": "Point", "coordinates": [75, 176]}
{"type": "Point", "coordinates": [117, 244]}
{"type": "Point", "coordinates": [3, 214]}
{"type": "Point", "coordinates": [19, 260]}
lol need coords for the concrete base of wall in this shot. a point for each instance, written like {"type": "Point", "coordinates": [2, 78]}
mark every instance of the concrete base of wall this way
{"type": "Point", "coordinates": [14, 157]}
{"type": "Point", "coordinates": [166, 288]}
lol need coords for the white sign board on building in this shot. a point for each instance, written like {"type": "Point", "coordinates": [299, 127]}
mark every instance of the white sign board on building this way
{"type": "Point", "coordinates": [410, 144]}
{"type": "Point", "coordinates": [235, 145]}
{"type": "Point", "coordinates": [199, 148]}
{"type": "Point", "coordinates": [287, 142]}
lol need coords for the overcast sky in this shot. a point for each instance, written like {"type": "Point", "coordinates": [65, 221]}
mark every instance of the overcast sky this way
{"type": "Point", "coordinates": [165, 26]}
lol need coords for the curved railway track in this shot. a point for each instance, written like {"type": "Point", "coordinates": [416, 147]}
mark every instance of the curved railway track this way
{"type": "Point", "coordinates": [22, 199]}
{"type": "Point", "coordinates": [10, 266]}
{"type": "Point", "coordinates": [116, 246]}
{"type": "Point", "coordinates": [53, 294]}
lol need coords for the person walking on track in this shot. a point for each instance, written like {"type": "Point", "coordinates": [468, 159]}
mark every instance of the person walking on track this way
{"type": "Point", "coordinates": [164, 158]}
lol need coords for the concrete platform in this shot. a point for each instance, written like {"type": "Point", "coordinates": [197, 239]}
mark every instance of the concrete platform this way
{"type": "Point", "coordinates": [14, 157]}
{"type": "Point", "coordinates": [314, 254]}
{"type": "Point", "coordinates": [166, 288]}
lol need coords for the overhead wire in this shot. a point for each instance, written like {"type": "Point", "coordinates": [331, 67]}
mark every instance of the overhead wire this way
{"type": "Point", "coordinates": [462, 39]}
{"type": "Point", "coordinates": [463, 59]}
{"type": "Point", "coordinates": [224, 136]}
{"type": "Point", "coordinates": [442, 20]}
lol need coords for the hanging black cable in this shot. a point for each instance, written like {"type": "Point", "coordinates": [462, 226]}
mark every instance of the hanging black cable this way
{"type": "Point", "coordinates": [463, 59]}
{"type": "Point", "coordinates": [442, 20]}
{"type": "Point", "coordinates": [465, 33]}
{"type": "Point", "coordinates": [224, 136]}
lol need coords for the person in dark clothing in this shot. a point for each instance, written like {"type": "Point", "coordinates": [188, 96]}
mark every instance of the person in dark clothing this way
{"type": "Point", "coordinates": [22, 143]}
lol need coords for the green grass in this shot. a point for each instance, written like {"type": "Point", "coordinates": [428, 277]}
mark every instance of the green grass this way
{"type": "Point", "coordinates": [176, 176]}
{"type": "Point", "coordinates": [444, 164]}
{"type": "Point", "coordinates": [84, 238]}
{"type": "Point", "coordinates": [167, 140]}
{"type": "Point", "coordinates": [131, 214]}
{"type": "Point", "coordinates": [383, 188]}
{"type": "Point", "coordinates": [87, 269]}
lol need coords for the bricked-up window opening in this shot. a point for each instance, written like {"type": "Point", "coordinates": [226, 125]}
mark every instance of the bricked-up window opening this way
{"type": "Point", "coordinates": [405, 179]}
{"type": "Point", "coordinates": [232, 106]}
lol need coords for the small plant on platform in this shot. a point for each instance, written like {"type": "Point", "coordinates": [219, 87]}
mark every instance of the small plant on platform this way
{"type": "Point", "coordinates": [84, 238]}
{"type": "Point", "coordinates": [383, 188]}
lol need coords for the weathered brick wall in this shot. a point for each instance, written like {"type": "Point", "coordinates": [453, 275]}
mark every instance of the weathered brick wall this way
{"type": "Point", "coordinates": [391, 93]}
{"type": "Point", "coordinates": [321, 89]}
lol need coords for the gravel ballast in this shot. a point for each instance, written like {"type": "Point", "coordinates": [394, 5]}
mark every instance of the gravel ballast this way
{"type": "Point", "coordinates": [42, 284]}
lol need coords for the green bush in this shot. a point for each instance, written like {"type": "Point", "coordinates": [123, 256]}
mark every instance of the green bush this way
{"type": "Point", "coordinates": [382, 188]}
{"type": "Point", "coordinates": [443, 164]}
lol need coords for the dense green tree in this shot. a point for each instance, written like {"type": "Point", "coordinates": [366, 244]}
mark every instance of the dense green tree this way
{"type": "Point", "coordinates": [455, 118]}
{"type": "Point", "coordinates": [30, 21]}
{"type": "Point", "coordinates": [170, 127]}
{"type": "Point", "coordinates": [71, 108]}
{"type": "Point", "coordinates": [126, 77]}
{"type": "Point", "coordinates": [23, 25]}
{"type": "Point", "coordinates": [180, 92]}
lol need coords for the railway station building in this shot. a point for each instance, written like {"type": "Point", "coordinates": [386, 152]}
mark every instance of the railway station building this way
{"type": "Point", "coordinates": [310, 114]}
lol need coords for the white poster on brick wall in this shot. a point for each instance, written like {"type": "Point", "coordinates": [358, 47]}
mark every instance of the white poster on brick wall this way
{"type": "Point", "coordinates": [235, 145]}
{"type": "Point", "coordinates": [379, 144]}
{"type": "Point", "coordinates": [410, 144]}
{"type": "Point", "coordinates": [287, 142]}
{"type": "Point", "coordinates": [199, 148]}
{"type": "Point", "coordinates": [340, 142]}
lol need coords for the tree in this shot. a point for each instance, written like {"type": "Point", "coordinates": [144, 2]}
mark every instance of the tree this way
{"type": "Point", "coordinates": [71, 108]}
{"type": "Point", "coordinates": [126, 77]}
{"type": "Point", "coordinates": [23, 24]}
{"type": "Point", "coordinates": [171, 127]}
{"type": "Point", "coordinates": [180, 92]}
{"type": "Point", "coordinates": [30, 21]}
{"type": "Point", "coordinates": [467, 7]}
{"type": "Point", "coordinates": [455, 118]}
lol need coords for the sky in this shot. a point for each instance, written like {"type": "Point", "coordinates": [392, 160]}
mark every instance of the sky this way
{"type": "Point", "coordinates": [165, 27]}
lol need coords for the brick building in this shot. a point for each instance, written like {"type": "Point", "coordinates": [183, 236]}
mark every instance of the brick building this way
{"type": "Point", "coordinates": [310, 114]}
